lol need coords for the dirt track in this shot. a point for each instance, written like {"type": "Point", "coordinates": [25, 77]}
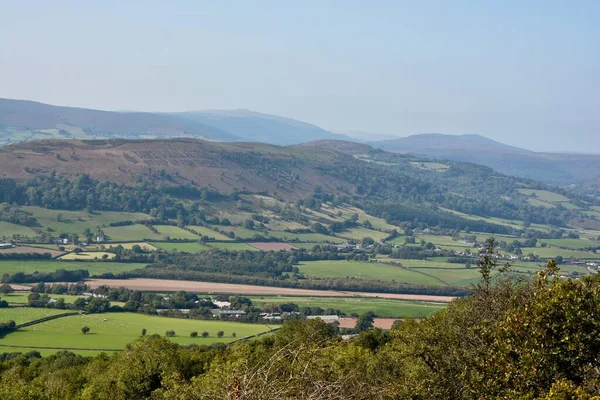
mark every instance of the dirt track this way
{"type": "Point", "coordinates": [209, 287]}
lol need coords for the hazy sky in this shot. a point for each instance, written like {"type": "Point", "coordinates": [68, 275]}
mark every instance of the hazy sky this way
{"type": "Point", "coordinates": [523, 72]}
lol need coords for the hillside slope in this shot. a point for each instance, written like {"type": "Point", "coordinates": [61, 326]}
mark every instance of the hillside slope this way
{"type": "Point", "coordinates": [553, 168]}
{"type": "Point", "coordinates": [22, 120]}
{"type": "Point", "coordinates": [373, 178]}
{"type": "Point", "coordinates": [223, 166]}
{"type": "Point", "coordinates": [258, 127]}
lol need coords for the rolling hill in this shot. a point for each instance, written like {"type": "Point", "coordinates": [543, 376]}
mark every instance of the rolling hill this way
{"type": "Point", "coordinates": [22, 120]}
{"type": "Point", "coordinates": [554, 168]}
{"type": "Point", "coordinates": [386, 183]}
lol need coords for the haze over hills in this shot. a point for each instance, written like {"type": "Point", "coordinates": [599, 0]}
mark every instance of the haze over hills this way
{"type": "Point", "coordinates": [22, 120]}
{"type": "Point", "coordinates": [554, 168]}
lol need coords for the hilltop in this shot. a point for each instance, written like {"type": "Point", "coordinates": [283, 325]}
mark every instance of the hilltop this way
{"type": "Point", "coordinates": [553, 168]}
{"type": "Point", "coordinates": [22, 120]}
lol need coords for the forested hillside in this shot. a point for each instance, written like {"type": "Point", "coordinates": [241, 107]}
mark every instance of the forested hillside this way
{"type": "Point", "coordinates": [391, 186]}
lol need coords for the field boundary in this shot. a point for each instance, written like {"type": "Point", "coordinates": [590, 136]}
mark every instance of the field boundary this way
{"type": "Point", "coordinates": [55, 348]}
{"type": "Point", "coordinates": [45, 319]}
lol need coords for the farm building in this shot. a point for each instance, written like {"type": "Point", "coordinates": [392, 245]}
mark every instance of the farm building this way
{"type": "Point", "coordinates": [5, 246]}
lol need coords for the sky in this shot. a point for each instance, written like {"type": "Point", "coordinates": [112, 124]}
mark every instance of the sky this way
{"type": "Point", "coordinates": [526, 73]}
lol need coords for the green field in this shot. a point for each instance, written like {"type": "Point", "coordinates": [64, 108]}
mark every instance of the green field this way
{"type": "Point", "coordinates": [21, 298]}
{"type": "Point", "coordinates": [364, 270]}
{"type": "Point", "coordinates": [7, 230]}
{"type": "Point", "coordinates": [175, 232]}
{"type": "Point", "coordinates": [349, 305]}
{"type": "Point", "coordinates": [359, 233]}
{"type": "Point", "coordinates": [142, 232]}
{"type": "Point", "coordinates": [204, 231]}
{"type": "Point", "coordinates": [551, 252]}
{"type": "Point", "coordinates": [131, 232]}
{"type": "Point", "coordinates": [62, 221]}
{"type": "Point", "coordinates": [115, 330]}
{"type": "Point", "coordinates": [243, 233]}
{"type": "Point", "coordinates": [24, 314]}
{"type": "Point", "coordinates": [306, 237]}
{"type": "Point", "coordinates": [95, 268]}
{"type": "Point", "coordinates": [575, 244]}
{"type": "Point", "coordinates": [544, 195]}
{"type": "Point", "coordinates": [193, 247]}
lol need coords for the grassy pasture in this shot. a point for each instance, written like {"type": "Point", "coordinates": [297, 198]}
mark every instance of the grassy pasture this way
{"type": "Point", "coordinates": [575, 244]}
{"type": "Point", "coordinates": [193, 247]}
{"type": "Point", "coordinates": [204, 231]}
{"type": "Point", "coordinates": [131, 232]}
{"type": "Point", "coordinates": [307, 237]}
{"type": "Point", "coordinates": [78, 221]}
{"type": "Point", "coordinates": [95, 268]}
{"type": "Point", "coordinates": [175, 232]}
{"type": "Point", "coordinates": [348, 305]}
{"type": "Point", "coordinates": [7, 230]}
{"type": "Point", "coordinates": [21, 298]}
{"type": "Point", "coordinates": [551, 252]}
{"type": "Point", "coordinates": [544, 195]}
{"type": "Point", "coordinates": [24, 314]}
{"type": "Point", "coordinates": [115, 330]}
{"type": "Point", "coordinates": [243, 233]}
{"type": "Point", "coordinates": [360, 232]}
{"type": "Point", "coordinates": [540, 203]}
{"type": "Point", "coordinates": [363, 270]}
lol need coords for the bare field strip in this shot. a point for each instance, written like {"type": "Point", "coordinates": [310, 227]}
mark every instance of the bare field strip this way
{"type": "Point", "coordinates": [381, 323]}
{"type": "Point", "coordinates": [31, 250]}
{"type": "Point", "coordinates": [273, 246]}
{"type": "Point", "coordinates": [158, 285]}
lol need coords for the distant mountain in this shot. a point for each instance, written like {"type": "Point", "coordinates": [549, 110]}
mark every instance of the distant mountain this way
{"type": "Point", "coordinates": [33, 120]}
{"type": "Point", "coordinates": [22, 120]}
{"type": "Point", "coordinates": [257, 127]}
{"type": "Point", "coordinates": [553, 168]}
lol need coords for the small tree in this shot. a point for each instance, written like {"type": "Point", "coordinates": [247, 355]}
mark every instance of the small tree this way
{"type": "Point", "coordinates": [365, 321]}
{"type": "Point", "coordinates": [5, 288]}
{"type": "Point", "coordinates": [204, 334]}
{"type": "Point", "coordinates": [233, 334]}
{"type": "Point", "coordinates": [85, 330]}
{"type": "Point", "coordinates": [194, 334]}
{"type": "Point", "coordinates": [144, 332]}
{"type": "Point", "coordinates": [220, 334]}
{"type": "Point", "coordinates": [170, 333]}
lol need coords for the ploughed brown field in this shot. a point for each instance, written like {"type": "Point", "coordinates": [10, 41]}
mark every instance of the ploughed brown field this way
{"type": "Point", "coordinates": [381, 323]}
{"type": "Point", "coordinates": [164, 285]}
{"type": "Point", "coordinates": [29, 250]}
{"type": "Point", "coordinates": [273, 246]}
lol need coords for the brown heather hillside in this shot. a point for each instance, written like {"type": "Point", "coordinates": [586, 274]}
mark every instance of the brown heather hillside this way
{"type": "Point", "coordinates": [290, 172]}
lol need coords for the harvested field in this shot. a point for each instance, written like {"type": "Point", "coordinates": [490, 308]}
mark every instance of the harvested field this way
{"type": "Point", "coordinates": [31, 250]}
{"type": "Point", "coordinates": [381, 323]}
{"type": "Point", "coordinates": [210, 287]}
{"type": "Point", "coordinates": [273, 246]}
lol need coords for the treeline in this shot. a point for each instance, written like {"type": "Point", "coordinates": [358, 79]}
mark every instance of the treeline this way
{"type": "Point", "coordinates": [60, 275]}
{"type": "Point", "coordinates": [426, 216]}
{"type": "Point", "coordinates": [25, 256]}
{"type": "Point", "coordinates": [14, 215]}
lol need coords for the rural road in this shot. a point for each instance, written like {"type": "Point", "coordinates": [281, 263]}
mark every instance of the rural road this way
{"type": "Point", "coordinates": [159, 285]}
